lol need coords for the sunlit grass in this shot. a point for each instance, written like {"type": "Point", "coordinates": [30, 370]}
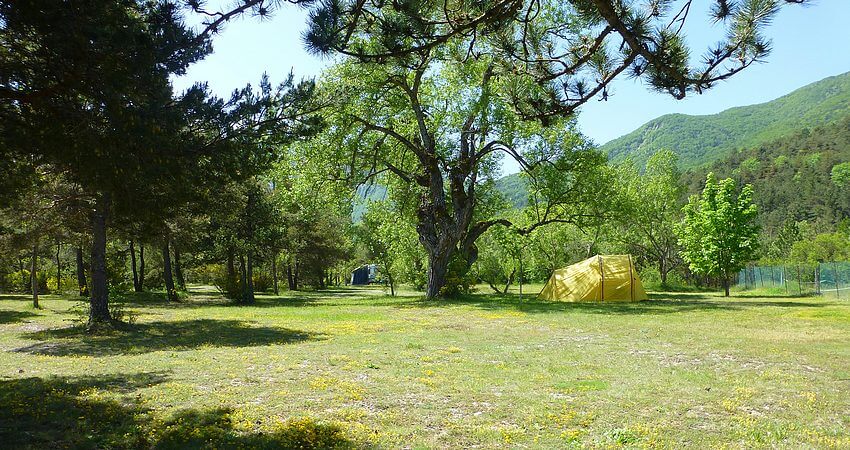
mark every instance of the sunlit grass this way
{"type": "Point", "coordinates": [356, 368]}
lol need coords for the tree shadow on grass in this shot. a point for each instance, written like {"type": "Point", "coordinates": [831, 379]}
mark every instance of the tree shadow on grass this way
{"type": "Point", "coordinates": [660, 304]}
{"type": "Point", "coordinates": [155, 336]}
{"type": "Point", "coordinates": [204, 299]}
{"type": "Point", "coordinates": [193, 429]}
{"type": "Point", "coordinates": [680, 296]}
{"type": "Point", "coordinates": [7, 316]}
{"type": "Point", "coordinates": [51, 412]}
{"type": "Point", "coordinates": [102, 412]}
{"type": "Point", "coordinates": [15, 297]}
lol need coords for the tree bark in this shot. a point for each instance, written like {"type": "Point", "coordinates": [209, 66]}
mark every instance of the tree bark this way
{"type": "Point", "coordinates": [510, 281]}
{"type": "Point", "coordinates": [248, 297]}
{"type": "Point", "coordinates": [141, 267]}
{"type": "Point", "coordinates": [243, 278]}
{"type": "Point", "coordinates": [167, 274]}
{"type": "Point", "coordinates": [99, 311]}
{"type": "Point", "coordinates": [178, 270]}
{"type": "Point", "coordinates": [133, 266]}
{"type": "Point", "coordinates": [274, 274]}
{"type": "Point", "coordinates": [390, 279]}
{"type": "Point", "coordinates": [320, 275]}
{"type": "Point", "coordinates": [662, 271]}
{"type": "Point", "coordinates": [725, 281]}
{"type": "Point", "coordinates": [437, 269]}
{"type": "Point", "coordinates": [34, 276]}
{"type": "Point", "coordinates": [81, 274]}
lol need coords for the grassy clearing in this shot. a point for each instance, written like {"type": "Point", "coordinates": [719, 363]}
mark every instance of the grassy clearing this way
{"type": "Point", "coordinates": [355, 368]}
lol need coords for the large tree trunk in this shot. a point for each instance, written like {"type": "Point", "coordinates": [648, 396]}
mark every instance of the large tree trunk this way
{"type": "Point", "coordinates": [725, 281]}
{"type": "Point", "coordinates": [320, 275]}
{"type": "Point", "coordinates": [167, 274]}
{"type": "Point", "coordinates": [662, 271]}
{"type": "Point", "coordinates": [58, 267]}
{"type": "Point", "coordinates": [81, 274]}
{"type": "Point", "coordinates": [133, 266]}
{"type": "Point", "coordinates": [178, 270]}
{"type": "Point", "coordinates": [438, 265]}
{"type": "Point", "coordinates": [248, 292]}
{"type": "Point", "coordinates": [141, 267]}
{"type": "Point", "coordinates": [34, 275]}
{"type": "Point", "coordinates": [290, 280]}
{"type": "Point", "coordinates": [99, 311]}
{"type": "Point", "coordinates": [243, 280]}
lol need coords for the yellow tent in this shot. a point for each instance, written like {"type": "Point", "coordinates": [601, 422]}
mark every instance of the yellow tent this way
{"type": "Point", "coordinates": [602, 278]}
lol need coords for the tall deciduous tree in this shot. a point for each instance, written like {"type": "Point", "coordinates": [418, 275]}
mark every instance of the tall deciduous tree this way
{"type": "Point", "coordinates": [653, 207]}
{"type": "Point", "coordinates": [440, 87]}
{"type": "Point", "coordinates": [437, 126]}
{"type": "Point", "coordinates": [719, 234]}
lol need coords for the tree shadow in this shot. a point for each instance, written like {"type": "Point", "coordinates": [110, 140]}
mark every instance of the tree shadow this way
{"type": "Point", "coordinates": [745, 294]}
{"type": "Point", "coordinates": [193, 429]}
{"type": "Point", "coordinates": [663, 303]}
{"type": "Point", "coordinates": [7, 316]}
{"type": "Point", "coordinates": [50, 412]}
{"type": "Point", "coordinates": [316, 297]}
{"type": "Point", "coordinates": [155, 336]}
{"type": "Point", "coordinates": [677, 296]}
{"type": "Point", "coordinates": [205, 298]}
{"type": "Point", "coordinates": [16, 297]}
{"type": "Point", "coordinates": [102, 412]}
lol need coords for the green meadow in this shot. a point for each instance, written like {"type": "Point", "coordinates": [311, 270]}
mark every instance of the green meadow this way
{"type": "Point", "coordinates": [356, 368]}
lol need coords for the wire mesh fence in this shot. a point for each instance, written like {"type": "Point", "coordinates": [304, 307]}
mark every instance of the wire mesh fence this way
{"type": "Point", "coordinates": [828, 278]}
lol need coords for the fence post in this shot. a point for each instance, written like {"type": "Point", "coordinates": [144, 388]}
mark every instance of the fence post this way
{"type": "Point", "coordinates": [785, 279]}
{"type": "Point", "coordinates": [817, 277]}
{"type": "Point", "coordinates": [799, 280]}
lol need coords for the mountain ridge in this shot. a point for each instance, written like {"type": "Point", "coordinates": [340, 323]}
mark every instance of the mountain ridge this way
{"type": "Point", "coordinates": [702, 139]}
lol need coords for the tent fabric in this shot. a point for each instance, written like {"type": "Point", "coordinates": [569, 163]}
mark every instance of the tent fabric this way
{"type": "Point", "coordinates": [601, 278]}
{"type": "Point", "coordinates": [360, 276]}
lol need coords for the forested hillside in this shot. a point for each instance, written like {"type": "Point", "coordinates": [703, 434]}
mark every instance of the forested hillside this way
{"type": "Point", "coordinates": [514, 188]}
{"type": "Point", "coordinates": [703, 139]}
{"type": "Point", "coordinates": [804, 176]}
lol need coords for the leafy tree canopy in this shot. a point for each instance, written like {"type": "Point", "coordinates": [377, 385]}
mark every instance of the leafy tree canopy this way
{"type": "Point", "coordinates": [719, 234]}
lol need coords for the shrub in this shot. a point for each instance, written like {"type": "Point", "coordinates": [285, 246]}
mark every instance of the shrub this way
{"type": "Point", "coordinates": [263, 281]}
{"type": "Point", "coordinates": [229, 287]}
{"type": "Point", "coordinates": [459, 279]}
{"type": "Point", "coordinates": [19, 281]}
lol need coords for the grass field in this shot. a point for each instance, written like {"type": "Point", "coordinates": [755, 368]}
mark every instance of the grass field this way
{"type": "Point", "coordinates": [356, 368]}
